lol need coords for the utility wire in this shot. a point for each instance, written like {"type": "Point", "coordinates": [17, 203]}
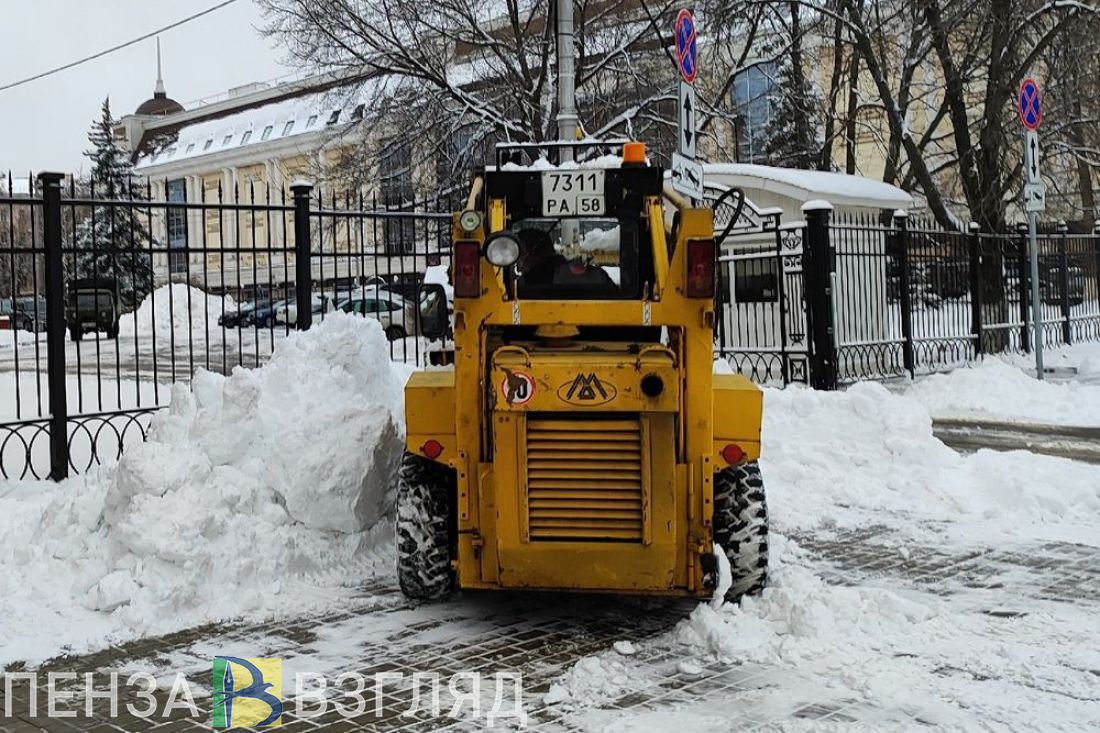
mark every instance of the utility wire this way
{"type": "Point", "coordinates": [119, 47]}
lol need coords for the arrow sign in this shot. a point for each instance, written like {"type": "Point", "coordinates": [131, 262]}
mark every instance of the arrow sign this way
{"type": "Point", "coordinates": [1031, 157]}
{"type": "Point", "coordinates": [687, 176]}
{"type": "Point", "coordinates": [1035, 197]}
{"type": "Point", "coordinates": [687, 108]}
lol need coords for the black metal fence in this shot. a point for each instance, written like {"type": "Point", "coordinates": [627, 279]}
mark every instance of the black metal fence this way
{"type": "Point", "coordinates": [110, 297]}
{"type": "Point", "coordinates": [838, 298]}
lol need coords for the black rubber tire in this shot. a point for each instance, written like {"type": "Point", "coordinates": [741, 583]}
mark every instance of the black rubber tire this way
{"type": "Point", "coordinates": [395, 333]}
{"type": "Point", "coordinates": [741, 527]}
{"type": "Point", "coordinates": [75, 334]}
{"type": "Point", "coordinates": [425, 495]}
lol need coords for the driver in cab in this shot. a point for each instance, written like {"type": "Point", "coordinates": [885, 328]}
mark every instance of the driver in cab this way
{"type": "Point", "coordinates": [540, 265]}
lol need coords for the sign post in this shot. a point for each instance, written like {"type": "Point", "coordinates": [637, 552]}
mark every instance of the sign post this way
{"type": "Point", "coordinates": [687, 175]}
{"type": "Point", "coordinates": [1030, 108]}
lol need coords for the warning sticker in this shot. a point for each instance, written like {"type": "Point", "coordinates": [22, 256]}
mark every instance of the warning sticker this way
{"type": "Point", "coordinates": [517, 388]}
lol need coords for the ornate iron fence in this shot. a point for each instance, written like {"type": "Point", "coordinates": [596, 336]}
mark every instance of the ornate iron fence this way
{"type": "Point", "coordinates": [110, 297]}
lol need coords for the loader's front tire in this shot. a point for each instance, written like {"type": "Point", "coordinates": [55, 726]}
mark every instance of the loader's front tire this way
{"type": "Point", "coordinates": [424, 495]}
{"type": "Point", "coordinates": [741, 527]}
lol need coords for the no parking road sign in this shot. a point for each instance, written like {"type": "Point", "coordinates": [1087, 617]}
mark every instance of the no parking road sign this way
{"type": "Point", "coordinates": [687, 49]}
{"type": "Point", "coordinates": [1030, 104]}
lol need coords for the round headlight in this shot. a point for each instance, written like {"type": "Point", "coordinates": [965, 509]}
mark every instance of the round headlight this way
{"type": "Point", "coordinates": [502, 250]}
{"type": "Point", "coordinates": [469, 221]}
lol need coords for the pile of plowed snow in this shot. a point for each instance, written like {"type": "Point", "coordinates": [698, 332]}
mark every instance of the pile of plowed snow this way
{"type": "Point", "coordinates": [174, 311]}
{"type": "Point", "coordinates": [866, 456]}
{"type": "Point", "coordinates": [255, 494]}
{"type": "Point", "coordinates": [997, 390]}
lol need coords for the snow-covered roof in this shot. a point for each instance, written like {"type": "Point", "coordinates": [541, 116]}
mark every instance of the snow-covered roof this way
{"type": "Point", "coordinates": [278, 121]}
{"type": "Point", "coordinates": [838, 189]}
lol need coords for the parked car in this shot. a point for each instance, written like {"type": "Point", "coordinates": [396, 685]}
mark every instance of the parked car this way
{"type": "Point", "coordinates": [92, 305]}
{"type": "Point", "coordinates": [236, 319]}
{"type": "Point", "coordinates": [397, 315]}
{"type": "Point", "coordinates": [27, 312]}
{"type": "Point", "coordinates": [288, 313]}
{"type": "Point", "coordinates": [263, 315]}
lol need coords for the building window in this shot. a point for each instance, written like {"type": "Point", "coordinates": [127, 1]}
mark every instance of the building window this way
{"type": "Point", "coordinates": [227, 139]}
{"type": "Point", "coordinates": [334, 118]}
{"type": "Point", "coordinates": [267, 132]}
{"type": "Point", "coordinates": [177, 226]}
{"type": "Point", "coordinates": [288, 127]}
{"type": "Point", "coordinates": [246, 137]}
{"type": "Point", "coordinates": [208, 144]}
{"type": "Point", "coordinates": [753, 91]}
{"type": "Point", "coordinates": [311, 121]}
{"type": "Point", "coordinates": [395, 171]}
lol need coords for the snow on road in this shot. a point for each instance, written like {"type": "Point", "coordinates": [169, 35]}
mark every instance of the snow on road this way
{"type": "Point", "coordinates": [260, 496]}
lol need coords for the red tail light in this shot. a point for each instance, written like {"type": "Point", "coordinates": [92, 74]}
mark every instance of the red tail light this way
{"type": "Point", "coordinates": [467, 269]}
{"type": "Point", "coordinates": [700, 268]}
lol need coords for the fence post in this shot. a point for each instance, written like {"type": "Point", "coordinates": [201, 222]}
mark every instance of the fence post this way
{"type": "Point", "coordinates": [55, 325]}
{"type": "Point", "coordinates": [303, 266]}
{"type": "Point", "coordinates": [1063, 281]}
{"type": "Point", "coordinates": [974, 243]}
{"type": "Point", "coordinates": [1096, 255]}
{"type": "Point", "coordinates": [817, 275]}
{"type": "Point", "coordinates": [1023, 276]}
{"type": "Point", "coordinates": [905, 299]}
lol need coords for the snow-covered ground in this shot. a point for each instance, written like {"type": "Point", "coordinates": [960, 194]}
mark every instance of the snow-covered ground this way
{"type": "Point", "coordinates": [1004, 388]}
{"type": "Point", "coordinates": [264, 495]}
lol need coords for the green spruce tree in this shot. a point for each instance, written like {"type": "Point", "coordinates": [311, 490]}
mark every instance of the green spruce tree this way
{"type": "Point", "coordinates": [112, 242]}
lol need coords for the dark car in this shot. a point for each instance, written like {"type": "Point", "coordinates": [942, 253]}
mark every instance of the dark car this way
{"type": "Point", "coordinates": [92, 305]}
{"type": "Point", "coordinates": [237, 318]}
{"type": "Point", "coordinates": [27, 312]}
{"type": "Point", "coordinates": [263, 315]}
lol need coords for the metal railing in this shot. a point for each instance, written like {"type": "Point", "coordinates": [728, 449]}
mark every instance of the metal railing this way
{"type": "Point", "coordinates": [175, 286]}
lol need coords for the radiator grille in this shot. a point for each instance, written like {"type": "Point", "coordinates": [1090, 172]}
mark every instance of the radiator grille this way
{"type": "Point", "coordinates": [585, 480]}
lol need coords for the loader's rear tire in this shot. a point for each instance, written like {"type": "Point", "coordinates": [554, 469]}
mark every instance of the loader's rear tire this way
{"type": "Point", "coordinates": [425, 490]}
{"type": "Point", "coordinates": [741, 527]}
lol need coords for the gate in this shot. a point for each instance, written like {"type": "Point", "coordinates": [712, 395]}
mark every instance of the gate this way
{"type": "Point", "coordinates": [763, 323]}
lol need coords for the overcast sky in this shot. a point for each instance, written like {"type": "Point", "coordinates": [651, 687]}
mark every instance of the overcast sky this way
{"type": "Point", "coordinates": [44, 124]}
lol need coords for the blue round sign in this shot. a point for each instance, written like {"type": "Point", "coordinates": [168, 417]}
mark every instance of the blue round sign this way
{"type": "Point", "coordinates": [687, 49]}
{"type": "Point", "coordinates": [1030, 104]}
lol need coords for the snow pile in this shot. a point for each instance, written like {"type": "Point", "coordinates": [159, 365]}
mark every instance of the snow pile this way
{"type": "Point", "coordinates": [799, 618]}
{"type": "Point", "coordinates": [866, 456]}
{"type": "Point", "coordinates": [174, 311]}
{"type": "Point", "coordinates": [1083, 358]}
{"type": "Point", "coordinates": [255, 494]}
{"type": "Point", "coordinates": [594, 679]}
{"type": "Point", "coordinates": [996, 390]}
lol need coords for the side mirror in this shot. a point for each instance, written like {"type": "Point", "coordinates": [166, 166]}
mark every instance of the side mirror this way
{"type": "Point", "coordinates": [433, 311]}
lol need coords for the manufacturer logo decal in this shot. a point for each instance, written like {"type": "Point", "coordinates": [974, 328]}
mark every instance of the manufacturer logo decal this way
{"type": "Point", "coordinates": [517, 388]}
{"type": "Point", "coordinates": [587, 390]}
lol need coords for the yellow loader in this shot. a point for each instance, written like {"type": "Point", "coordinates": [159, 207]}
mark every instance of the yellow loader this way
{"type": "Point", "coordinates": [582, 441]}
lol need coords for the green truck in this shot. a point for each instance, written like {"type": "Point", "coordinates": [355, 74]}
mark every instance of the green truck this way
{"type": "Point", "coordinates": [92, 304]}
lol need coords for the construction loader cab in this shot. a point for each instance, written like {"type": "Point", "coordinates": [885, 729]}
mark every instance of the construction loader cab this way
{"type": "Point", "coordinates": [582, 441]}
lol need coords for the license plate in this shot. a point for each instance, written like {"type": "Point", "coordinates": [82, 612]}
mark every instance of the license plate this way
{"type": "Point", "coordinates": [573, 193]}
